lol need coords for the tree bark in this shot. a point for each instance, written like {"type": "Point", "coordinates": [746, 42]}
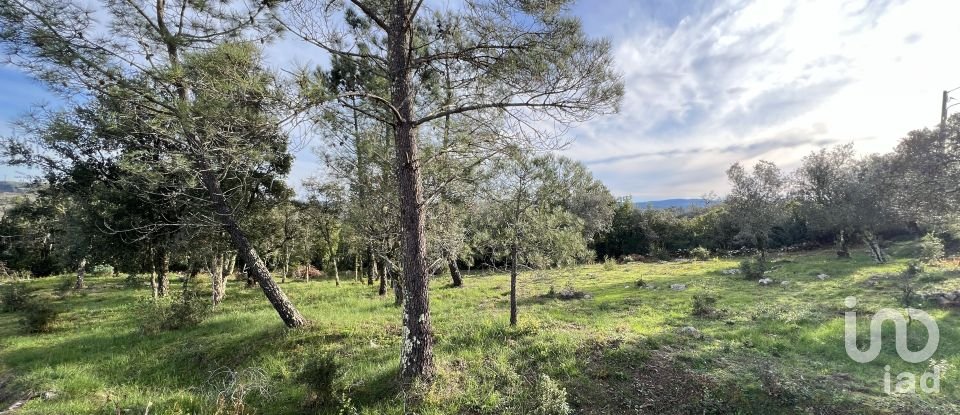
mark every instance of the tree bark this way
{"type": "Point", "coordinates": [371, 273]}
{"type": "Point", "coordinates": [336, 272]}
{"type": "Point", "coordinates": [153, 275]}
{"type": "Point", "coordinates": [81, 271]}
{"type": "Point", "coordinates": [255, 266]}
{"type": "Point", "coordinates": [455, 272]}
{"type": "Point", "coordinates": [513, 284]}
{"type": "Point", "coordinates": [843, 247]}
{"type": "Point", "coordinates": [875, 249]}
{"type": "Point", "coordinates": [162, 261]}
{"type": "Point", "coordinates": [416, 360]}
{"type": "Point", "coordinates": [383, 282]}
{"type": "Point", "coordinates": [217, 279]}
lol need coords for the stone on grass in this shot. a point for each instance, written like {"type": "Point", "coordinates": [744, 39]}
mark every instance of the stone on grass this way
{"type": "Point", "coordinates": [690, 331]}
{"type": "Point", "coordinates": [784, 282]}
{"type": "Point", "coordinates": [731, 271]}
{"type": "Point", "coordinates": [822, 276]}
{"type": "Point", "coordinates": [678, 287]}
{"type": "Point", "coordinates": [765, 281]}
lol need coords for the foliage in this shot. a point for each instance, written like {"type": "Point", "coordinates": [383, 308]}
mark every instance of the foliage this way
{"type": "Point", "coordinates": [38, 316]}
{"type": "Point", "coordinates": [609, 264]}
{"type": "Point", "coordinates": [102, 270]}
{"type": "Point", "coordinates": [700, 253]}
{"type": "Point", "coordinates": [321, 373]}
{"type": "Point", "coordinates": [184, 311]}
{"type": "Point", "coordinates": [931, 248]}
{"type": "Point", "coordinates": [14, 296]}
{"type": "Point", "coordinates": [753, 268]}
{"type": "Point", "coordinates": [704, 305]}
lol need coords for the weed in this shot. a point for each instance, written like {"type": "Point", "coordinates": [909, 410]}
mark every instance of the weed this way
{"type": "Point", "coordinates": [13, 296]}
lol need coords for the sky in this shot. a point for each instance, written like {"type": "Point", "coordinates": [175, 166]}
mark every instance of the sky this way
{"type": "Point", "coordinates": [711, 83]}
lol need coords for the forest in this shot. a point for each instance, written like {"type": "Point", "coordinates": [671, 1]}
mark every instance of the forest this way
{"type": "Point", "coordinates": [161, 194]}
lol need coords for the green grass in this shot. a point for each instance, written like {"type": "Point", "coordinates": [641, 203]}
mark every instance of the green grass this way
{"type": "Point", "coordinates": [773, 349]}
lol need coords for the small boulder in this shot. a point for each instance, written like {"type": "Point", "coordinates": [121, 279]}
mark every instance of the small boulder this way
{"type": "Point", "coordinates": [950, 296]}
{"type": "Point", "coordinates": [690, 331]}
{"type": "Point", "coordinates": [731, 271]}
{"type": "Point", "coordinates": [822, 276]}
{"type": "Point", "coordinates": [765, 281]}
{"type": "Point", "coordinates": [784, 283]}
{"type": "Point", "coordinates": [678, 287]}
{"type": "Point", "coordinates": [48, 395]}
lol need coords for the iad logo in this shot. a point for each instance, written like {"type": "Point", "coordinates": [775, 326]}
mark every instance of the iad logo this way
{"type": "Point", "coordinates": [906, 381]}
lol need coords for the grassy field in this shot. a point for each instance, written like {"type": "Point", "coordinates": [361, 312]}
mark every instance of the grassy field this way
{"type": "Point", "coordinates": [621, 349]}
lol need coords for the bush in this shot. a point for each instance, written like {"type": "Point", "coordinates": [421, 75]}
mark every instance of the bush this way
{"type": "Point", "coordinates": [38, 317]}
{"type": "Point", "coordinates": [546, 397]}
{"type": "Point", "coordinates": [609, 264]}
{"type": "Point", "coordinates": [187, 310]}
{"type": "Point", "coordinates": [753, 269]}
{"type": "Point", "coordinates": [13, 297]}
{"type": "Point", "coordinates": [931, 248]}
{"type": "Point", "coordinates": [703, 305]}
{"type": "Point", "coordinates": [132, 280]}
{"type": "Point", "coordinates": [321, 374]}
{"type": "Point", "coordinates": [700, 253]}
{"type": "Point", "coordinates": [102, 270]}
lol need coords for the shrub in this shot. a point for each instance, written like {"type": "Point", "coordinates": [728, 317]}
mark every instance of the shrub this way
{"type": "Point", "coordinates": [753, 269]}
{"type": "Point", "coordinates": [13, 297]}
{"type": "Point", "coordinates": [546, 397]}
{"type": "Point", "coordinates": [907, 279]}
{"type": "Point", "coordinates": [703, 305]}
{"type": "Point", "coordinates": [187, 310]}
{"type": "Point", "coordinates": [38, 317]}
{"type": "Point", "coordinates": [931, 248]}
{"type": "Point", "coordinates": [102, 270]}
{"type": "Point", "coordinates": [641, 283]}
{"type": "Point", "coordinates": [609, 264]}
{"type": "Point", "coordinates": [700, 253]}
{"type": "Point", "coordinates": [132, 280]}
{"type": "Point", "coordinates": [321, 374]}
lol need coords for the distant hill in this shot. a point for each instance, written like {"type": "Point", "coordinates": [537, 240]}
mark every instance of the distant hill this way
{"type": "Point", "coordinates": [671, 203]}
{"type": "Point", "coordinates": [13, 187]}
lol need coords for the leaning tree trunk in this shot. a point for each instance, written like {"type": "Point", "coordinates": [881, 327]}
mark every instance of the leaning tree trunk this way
{"type": "Point", "coordinates": [513, 284]}
{"type": "Point", "coordinates": [455, 272]}
{"type": "Point", "coordinates": [81, 271]}
{"type": "Point", "coordinates": [336, 271]}
{"type": "Point", "coordinates": [162, 261]}
{"type": "Point", "coordinates": [255, 266]}
{"type": "Point", "coordinates": [875, 249]}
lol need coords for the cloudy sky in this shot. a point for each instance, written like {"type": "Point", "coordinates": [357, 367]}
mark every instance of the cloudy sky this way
{"type": "Point", "coordinates": [710, 83]}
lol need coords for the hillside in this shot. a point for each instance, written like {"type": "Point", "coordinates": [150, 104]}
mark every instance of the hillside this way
{"type": "Point", "coordinates": [621, 348]}
{"type": "Point", "coordinates": [671, 203]}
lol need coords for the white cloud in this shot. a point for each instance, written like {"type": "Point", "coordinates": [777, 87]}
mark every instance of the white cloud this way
{"type": "Point", "coordinates": [732, 83]}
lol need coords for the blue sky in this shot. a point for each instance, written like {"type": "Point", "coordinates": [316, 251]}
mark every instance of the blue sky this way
{"type": "Point", "coordinates": [710, 83]}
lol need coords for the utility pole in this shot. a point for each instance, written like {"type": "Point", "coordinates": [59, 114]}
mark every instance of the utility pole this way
{"type": "Point", "coordinates": [943, 113]}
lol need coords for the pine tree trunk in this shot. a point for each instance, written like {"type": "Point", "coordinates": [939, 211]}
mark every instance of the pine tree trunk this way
{"type": "Point", "coordinates": [513, 284]}
{"type": "Point", "coordinates": [81, 271]}
{"type": "Point", "coordinates": [455, 272]}
{"type": "Point", "coordinates": [255, 266]}
{"type": "Point", "coordinates": [416, 360]}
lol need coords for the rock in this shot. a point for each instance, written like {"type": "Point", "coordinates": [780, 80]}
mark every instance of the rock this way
{"type": "Point", "coordinates": [587, 296]}
{"type": "Point", "coordinates": [943, 302]}
{"type": "Point", "coordinates": [950, 296]}
{"type": "Point", "coordinates": [690, 331]}
{"type": "Point", "coordinates": [678, 287]}
{"type": "Point", "coordinates": [765, 281]}
{"type": "Point", "coordinates": [48, 395]}
{"type": "Point", "coordinates": [731, 271]}
{"type": "Point", "coordinates": [784, 283]}
{"type": "Point", "coordinates": [822, 276]}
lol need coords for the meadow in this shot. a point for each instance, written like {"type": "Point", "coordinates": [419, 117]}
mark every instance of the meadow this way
{"type": "Point", "coordinates": [625, 345]}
